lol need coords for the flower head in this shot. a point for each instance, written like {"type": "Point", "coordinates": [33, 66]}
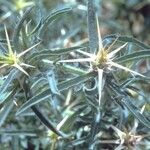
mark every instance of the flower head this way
{"type": "Point", "coordinates": [12, 58]}
{"type": "Point", "coordinates": [102, 60]}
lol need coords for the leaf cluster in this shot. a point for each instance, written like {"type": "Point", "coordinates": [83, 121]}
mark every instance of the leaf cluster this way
{"type": "Point", "coordinates": [63, 104]}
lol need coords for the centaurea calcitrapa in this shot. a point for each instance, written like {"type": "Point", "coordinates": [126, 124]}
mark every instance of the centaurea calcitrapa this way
{"type": "Point", "coordinates": [12, 58]}
{"type": "Point", "coordinates": [102, 61]}
{"type": "Point", "coordinates": [129, 138]}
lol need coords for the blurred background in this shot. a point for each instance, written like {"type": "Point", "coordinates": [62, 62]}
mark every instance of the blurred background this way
{"type": "Point", "coordinates": [126, 17]}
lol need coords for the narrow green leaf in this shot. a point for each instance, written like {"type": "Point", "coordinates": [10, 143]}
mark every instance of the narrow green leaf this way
{"type": "Point", "coordinates": [94, 125]}
{"type": "Point", "coordinates": [47, 53]}
{"type": "Point", "coordinates": [134, 56]}
{"type": "Point", "coordinates": [92, 27]}
{"type": "Point", "coordinates": [72, 69]}
{"type": "Point", "coordinates": [5, 112]}
{"type": "Point", "coordinates": [2, 50]}
{"type": "Point", "coordinates": [36, 28]}
{"type": "Point", "coordinates": [19, 27]}
{"type": "Point", "coordinates": [15, 143]}
{"type": "Point", "coordinates": [52, 82]}
{"type": "Point", "coordinates": [77, 142]}
{"type": "Point", "coordinates": [135, 111]}
{"type": "Point", "coordinates": [19, 132]}
{"type": "Point", "coordinates": [61, 86]}
{"type": "Point", "coordinates": [8, 80]}
{"type": "Point", "coordinates": [37, 82]}
{"type": "Point", "coordinates": [47, 122]}
{"type": "Point", "coordinates": [68, 122]}
{"type": "Point", "coordinates": [4, 96]}
{"type": "Point", "coordinates": [39, 114]}
{"type": "Point", "coordinates": [125, 101]}
{"type": "Point", "coordinates": [51, 18]}
{"type": "Point", "coordinates": [127, 39]}
{"type": "Point", "coordinates": [75, 81]}
{"type": "Point", "coordinates": [34, 100]}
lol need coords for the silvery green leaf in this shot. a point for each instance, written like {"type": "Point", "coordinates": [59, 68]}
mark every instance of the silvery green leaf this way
{"type": "Point", "coordinates": [52, 82]}
{"type": "Point", "coordinates": [5, 111]}
{"type": "Point", "coordinates": [135, 56]}
{"type": "Point", "coordinates": [92, 27]}
{"type": "Point", "coordinates": [127, 39]}
{"type": "Point", "coordinates": [61, 87]}
{"type": "Point", "coordinates": [11, 76]}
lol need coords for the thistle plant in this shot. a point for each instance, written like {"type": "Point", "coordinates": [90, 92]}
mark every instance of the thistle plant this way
{"type": "Point", "coordinates": [102, 61]}
{"type": "Point", "coordinates": [12, 58]}
{"type": "Point", "coordinates": [82, 96]}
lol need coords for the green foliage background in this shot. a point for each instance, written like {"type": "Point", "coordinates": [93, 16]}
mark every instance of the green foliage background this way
{"type": "Point", "coordinates": [56, 107]}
